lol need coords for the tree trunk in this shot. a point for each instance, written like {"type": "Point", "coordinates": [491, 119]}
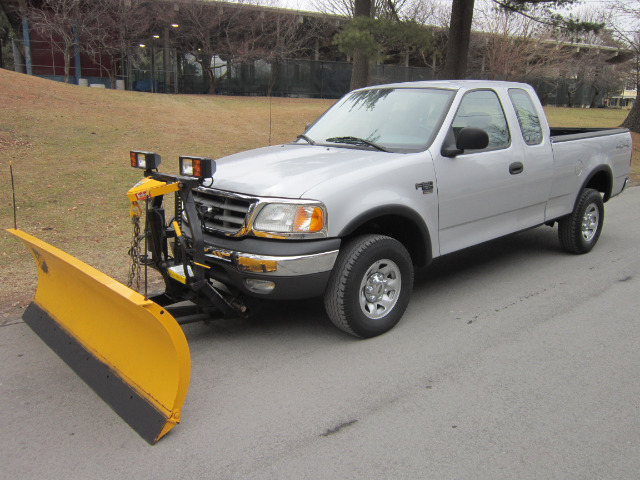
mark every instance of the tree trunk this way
{"type": "Point", "coordinates": [632, 122]}
{"type": "Point", "coordinates": [360, 72]}
{"type": "Point", "coordinates": [67, 63]}
{"type": "Point", "coordinates": [594, 98]}
{"type": "Point", "coordinates": [205, 62]}
{"type": "Point", "coordinates": [455, 64]}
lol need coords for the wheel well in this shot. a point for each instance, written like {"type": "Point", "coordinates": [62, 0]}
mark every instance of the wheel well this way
{"type": "Point", "coordinates": [407, 232]}
{"type": "Point", "coordinates": [601, 181]}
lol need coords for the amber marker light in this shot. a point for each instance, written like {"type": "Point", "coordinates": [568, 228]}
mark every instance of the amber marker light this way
{"type": "Point", "coordinates": [308, 219]}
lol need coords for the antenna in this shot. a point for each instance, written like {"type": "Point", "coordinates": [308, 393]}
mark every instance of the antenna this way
{"type": "Point", "coordinates": [270, 116]}
{"type": "Point", "coordinates": [13, 190]}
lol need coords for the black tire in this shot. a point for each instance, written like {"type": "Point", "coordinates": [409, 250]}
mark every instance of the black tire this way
{"type": "Point", "coordinates": [579, 231]}
{"type": "Point", "coordinates": [373, 265]}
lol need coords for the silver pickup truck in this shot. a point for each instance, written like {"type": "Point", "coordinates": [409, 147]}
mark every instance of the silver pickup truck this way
{"type": "Point", "coordinates": [391, 177]}
{"type": "Point", "coordinates": [388, 178]}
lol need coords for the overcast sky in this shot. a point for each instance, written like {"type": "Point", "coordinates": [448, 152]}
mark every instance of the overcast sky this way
{"type": "Point", "coordinates": [309, 5]}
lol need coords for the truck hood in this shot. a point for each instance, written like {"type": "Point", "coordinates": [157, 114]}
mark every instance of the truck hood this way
{"type": "Point", "coordinates": [290, 170]}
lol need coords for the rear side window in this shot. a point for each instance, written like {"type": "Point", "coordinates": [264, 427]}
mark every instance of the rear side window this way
{"type": "Point", "coordinates": [482, 109]}
{"type": "Point", "coordinates": [527, 116]}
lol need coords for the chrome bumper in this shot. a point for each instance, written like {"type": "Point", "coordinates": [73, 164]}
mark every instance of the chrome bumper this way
{"type": "Point", "coordinates": [278, 266]}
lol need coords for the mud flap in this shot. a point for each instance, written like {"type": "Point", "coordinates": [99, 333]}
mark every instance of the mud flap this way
{"type": "Point", "coordinates": [129, 350]}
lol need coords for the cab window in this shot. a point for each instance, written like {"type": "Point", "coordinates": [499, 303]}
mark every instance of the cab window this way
{"type": "Point", "coordinates": [527, 116]}
{"type": "Point", "coordinates": [482, 109]}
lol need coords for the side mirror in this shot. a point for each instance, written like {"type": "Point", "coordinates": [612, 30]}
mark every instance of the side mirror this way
{"type": "Point", "coordinates": [469, 138]}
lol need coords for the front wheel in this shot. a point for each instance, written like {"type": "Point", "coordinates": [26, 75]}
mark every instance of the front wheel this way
{"type": "Point", "coordinates": [370, 286]}
{"type": "Point", "coordinates": [579, 231]}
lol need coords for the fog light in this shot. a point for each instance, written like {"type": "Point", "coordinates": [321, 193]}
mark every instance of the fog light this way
{"type": "Point", "coordinates": [259, 286]}
{"type": "Point", "coordinates": [144, 160]}
{"type": "Point", "coordinates": [199, 167]}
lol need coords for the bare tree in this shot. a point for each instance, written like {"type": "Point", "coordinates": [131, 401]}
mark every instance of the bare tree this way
{"type": "Point", "coordinates": [462, 12]}
{"type": "Point", "coordinates": [509, 46]}
{"type": "Point", "coordinates": [427, 12]}
{"type": "Point", "coordinates": [59, 21]}
{"type": "Point", "coordinates": [240, 33]}
{"type": "Point", "coordinates": [113, 26]}
{"type": "Point", "coordinates": [623, 22]}
{"type": "Point", "coordinates": [202, 31]}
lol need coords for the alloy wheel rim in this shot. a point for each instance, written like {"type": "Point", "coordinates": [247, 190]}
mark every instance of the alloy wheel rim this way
{"type": "Point", "coordinates": [380, 289]}
{"type": "Point", "coordinates": [590, 222]}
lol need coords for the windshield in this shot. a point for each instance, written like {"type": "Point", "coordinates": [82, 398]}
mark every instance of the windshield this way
{"type": "Point", "coordinates": [389, 119]}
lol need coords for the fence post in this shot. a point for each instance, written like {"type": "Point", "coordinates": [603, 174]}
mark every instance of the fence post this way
{"type": "Point", "coordinates": [18, 64]}
{"type": "Point", "coordinates": [27, 46]}
{"type": "Point", "coordinates": [76, 51]}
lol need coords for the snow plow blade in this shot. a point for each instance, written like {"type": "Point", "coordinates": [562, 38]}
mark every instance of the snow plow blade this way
{"type": "Point", "coordinates": [129, 350]}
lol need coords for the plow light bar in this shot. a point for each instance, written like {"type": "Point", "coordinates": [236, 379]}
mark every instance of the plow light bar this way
{"type": "Point", "coordinates": [199, 167]}
{"type": "Point", "coordinates": [144, 160]}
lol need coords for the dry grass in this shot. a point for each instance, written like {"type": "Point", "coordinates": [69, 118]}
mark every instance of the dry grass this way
{"type": "Point", "coordinates": [69, 146]}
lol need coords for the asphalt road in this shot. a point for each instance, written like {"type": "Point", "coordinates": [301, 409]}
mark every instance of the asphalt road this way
{"type": "Point", "coordinates": [514, 360]}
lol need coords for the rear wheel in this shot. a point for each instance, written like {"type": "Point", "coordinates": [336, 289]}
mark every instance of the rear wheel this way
{"type": "Point", "coordinates": [370, 286]}
{"type": "Point", "coordinates": [579, 231]}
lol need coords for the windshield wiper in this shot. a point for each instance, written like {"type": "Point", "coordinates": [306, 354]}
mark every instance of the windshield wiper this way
{"type": "Point", "coordinates": [304, 137]}
{"type": "Point", "coordinates": [355, 141]}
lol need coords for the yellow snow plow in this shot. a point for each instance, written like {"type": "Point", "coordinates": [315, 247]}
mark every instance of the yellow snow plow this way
{"type": "Point", "coordinates": [128, 347]}
{"type": "Point", "coordinates": [130, 350]}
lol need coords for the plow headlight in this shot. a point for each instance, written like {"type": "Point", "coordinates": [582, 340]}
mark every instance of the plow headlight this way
{"type": "Point", "coordinates": [198, 167]}
{"type": "Point", "coordinates": [144, 160]}
{"type": "Point", "coordinates": [290, 218]}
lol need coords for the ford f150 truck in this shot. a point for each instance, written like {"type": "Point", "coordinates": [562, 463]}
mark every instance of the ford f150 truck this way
{"type": "Point", "coordinates": [393, 176]}
{"type": "Point", "coordinates": [388, 178]}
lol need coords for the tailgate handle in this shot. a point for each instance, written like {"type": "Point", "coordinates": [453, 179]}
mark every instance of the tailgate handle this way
{"type": "Point", "coordinates": [516, 168]}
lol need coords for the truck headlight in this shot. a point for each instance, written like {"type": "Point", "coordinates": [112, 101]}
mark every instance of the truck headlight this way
{"type": "Point", "coordinates": [291, 218]}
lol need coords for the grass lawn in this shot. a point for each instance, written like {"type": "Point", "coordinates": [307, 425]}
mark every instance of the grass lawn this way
{"type": "Point", "coordinates": [69, 148]}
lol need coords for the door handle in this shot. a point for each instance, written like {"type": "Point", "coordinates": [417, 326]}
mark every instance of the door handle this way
{"type": "Point", "coordinates": [516, 168]}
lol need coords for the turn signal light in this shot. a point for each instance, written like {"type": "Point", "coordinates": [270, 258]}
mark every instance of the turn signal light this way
{"type": "Point", "coordinates": [308, 219]}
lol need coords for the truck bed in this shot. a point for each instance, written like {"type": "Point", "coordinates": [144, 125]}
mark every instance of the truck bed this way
{"type": "Point", "coordinates": [565, 134]}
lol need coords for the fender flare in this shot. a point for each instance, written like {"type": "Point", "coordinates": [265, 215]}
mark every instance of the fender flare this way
{"type": "Point", "coordinates": [607, 191]}
{"type": "Point", "coordinates": [422, 248]}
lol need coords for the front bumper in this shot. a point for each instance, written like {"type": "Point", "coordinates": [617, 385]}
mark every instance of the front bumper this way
{"type": "Point", "coordinates": [277, 269]}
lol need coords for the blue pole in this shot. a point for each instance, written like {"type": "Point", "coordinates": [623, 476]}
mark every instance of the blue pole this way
{"type": "Point", "coordinates": [76, 50]}
{"type": "Point", "coordinates": [27, 46]}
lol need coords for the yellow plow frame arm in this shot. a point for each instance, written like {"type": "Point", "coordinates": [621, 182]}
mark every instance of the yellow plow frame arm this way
{"type": "Point", "coordinates": [129, 350]}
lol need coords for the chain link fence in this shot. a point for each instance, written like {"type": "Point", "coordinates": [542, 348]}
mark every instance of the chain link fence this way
{"type": "Point", "coordinates": [166, 71]}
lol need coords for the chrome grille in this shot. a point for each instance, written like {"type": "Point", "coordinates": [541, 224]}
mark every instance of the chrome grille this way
{"type": "Point", "coordinates": [222, 213]}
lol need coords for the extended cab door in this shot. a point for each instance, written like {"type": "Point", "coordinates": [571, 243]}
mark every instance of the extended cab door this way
{"type": "Point", "coordinates": [480, 192]}
{"type": "Point", "coordinates": [538, 161]}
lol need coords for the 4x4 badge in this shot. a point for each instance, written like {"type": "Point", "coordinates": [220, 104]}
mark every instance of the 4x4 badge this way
{"type": "Point", "coordinates": [427, 187]}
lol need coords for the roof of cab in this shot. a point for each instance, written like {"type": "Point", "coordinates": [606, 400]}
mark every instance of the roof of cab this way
{"type": "Point", "coordinates": [452, 84]}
